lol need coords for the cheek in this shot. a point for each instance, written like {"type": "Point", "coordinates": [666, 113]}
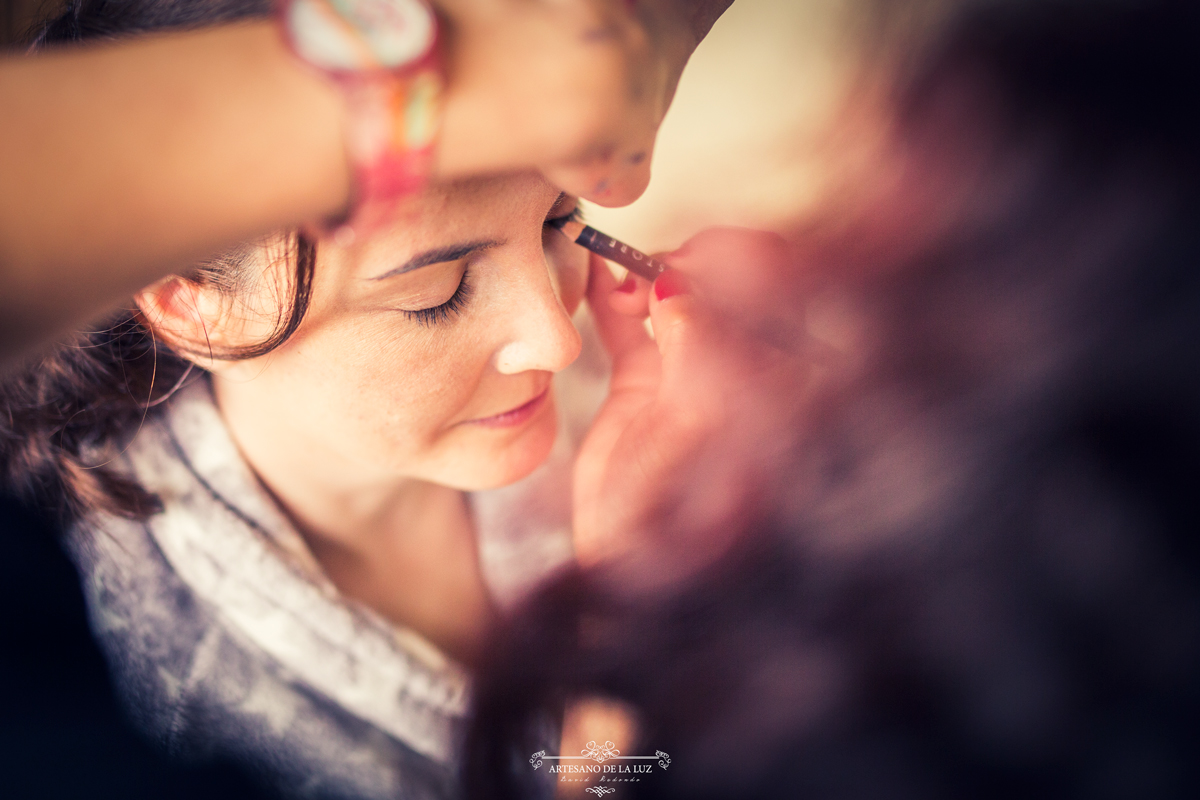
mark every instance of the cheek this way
{"type": "Point", "coordinates": [568, 268]}
{"type": "Point", "coordinates": [394, 385]}
{"type": "Point", "coordinates": [425, 376]}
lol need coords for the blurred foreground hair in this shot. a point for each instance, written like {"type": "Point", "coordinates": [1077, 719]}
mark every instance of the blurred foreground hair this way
{"type": "Point", "coordinates": [985, 581]}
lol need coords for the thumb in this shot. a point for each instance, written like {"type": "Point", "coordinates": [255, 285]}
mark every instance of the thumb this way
{"type": "Point", "coordinates": [673, 312]}
{"type": "Point", "coordinates": [689, 342]}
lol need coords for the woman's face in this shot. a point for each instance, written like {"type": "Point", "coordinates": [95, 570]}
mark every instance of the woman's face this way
{"type": "Point", "coordinates": [428, 346]}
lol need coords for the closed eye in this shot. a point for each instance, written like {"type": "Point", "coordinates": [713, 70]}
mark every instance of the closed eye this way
{"type": "Point", "coordinates": [436, 315]}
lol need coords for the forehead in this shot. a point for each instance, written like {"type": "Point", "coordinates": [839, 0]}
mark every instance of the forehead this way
{"type": "Point", "coordinates": [447, 208]}
{"type": "Point", "coordinates": [499, 209]}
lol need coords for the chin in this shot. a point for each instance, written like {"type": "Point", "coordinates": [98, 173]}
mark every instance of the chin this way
{"type": "Point", "coordinates": [497, 464]}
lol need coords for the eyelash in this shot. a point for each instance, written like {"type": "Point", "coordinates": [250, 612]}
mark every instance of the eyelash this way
{"type": "Point", "coordinates": [442, 313]}
{"type": "Point", "coordinates": [575, 216]}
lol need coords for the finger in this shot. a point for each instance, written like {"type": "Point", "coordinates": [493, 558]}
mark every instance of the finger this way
{"type": "Point", "coordinates": [740, 270]}
{"type": "Point", "coordinates": [620, 333]}
{"type": "Point", "coordinates": [672, 308]}
{"type": "Point", "coordinates": [612, 177]}
{"type": "Point", "coordinates": [689, 340]}
{"type": "Point", "coordinates": [631, 298]}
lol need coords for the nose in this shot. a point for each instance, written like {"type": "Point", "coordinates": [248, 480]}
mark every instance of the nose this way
{"type": "Point", "coordinates": [541, 335]}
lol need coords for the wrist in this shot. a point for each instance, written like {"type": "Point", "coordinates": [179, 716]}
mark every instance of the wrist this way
{"type": "Point", "coordinates": [311, 114]}
{"type": "Point", "coordinates": [383, 58]}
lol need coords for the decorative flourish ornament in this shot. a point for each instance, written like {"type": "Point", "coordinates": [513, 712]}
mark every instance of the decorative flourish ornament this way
{"type": "Point", "coordinates": [601, 753]}
{"type": "Point", "coordinates": [600, 790]}
{"type": "Point", "coordinates": [664, 760]}
{"type": "Point", "coordinates": [536, 758]}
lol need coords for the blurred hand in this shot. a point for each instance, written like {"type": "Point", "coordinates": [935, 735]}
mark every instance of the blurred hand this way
{"type": "Point", "coordinates": [700, 418]}
{"type": "Point", "coordinates": [575, 88]}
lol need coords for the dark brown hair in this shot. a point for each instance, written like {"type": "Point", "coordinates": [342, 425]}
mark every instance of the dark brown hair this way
{"type": "Point", "coordinates": [67, 413]}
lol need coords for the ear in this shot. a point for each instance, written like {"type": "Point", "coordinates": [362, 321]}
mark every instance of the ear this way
{"type": "Point", "coordinates": [190, 318]}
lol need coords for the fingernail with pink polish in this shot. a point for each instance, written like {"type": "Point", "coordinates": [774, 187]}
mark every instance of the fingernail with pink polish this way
{"type": "Point", "coordinates": [627, 286]}
{"type": "Point", "coordinates": [669, 284]}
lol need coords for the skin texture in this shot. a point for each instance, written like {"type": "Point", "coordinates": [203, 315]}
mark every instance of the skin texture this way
{"type": "Point", "coordinates": [365, 424]}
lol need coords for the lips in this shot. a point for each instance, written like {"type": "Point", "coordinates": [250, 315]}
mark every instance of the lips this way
{"type": "Point", "coordinates": [514, 416]}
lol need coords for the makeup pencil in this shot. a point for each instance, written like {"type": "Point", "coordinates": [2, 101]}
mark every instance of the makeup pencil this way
{"type": "Point", "coordinates": [615, 250]}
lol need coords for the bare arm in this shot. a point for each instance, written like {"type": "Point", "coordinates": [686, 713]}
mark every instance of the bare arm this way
{"type": "Point", "coordinates": [122, 162]}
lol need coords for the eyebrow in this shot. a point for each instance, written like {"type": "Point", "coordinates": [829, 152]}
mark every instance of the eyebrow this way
{"type": "Point", "coordinates": [438, 255]}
